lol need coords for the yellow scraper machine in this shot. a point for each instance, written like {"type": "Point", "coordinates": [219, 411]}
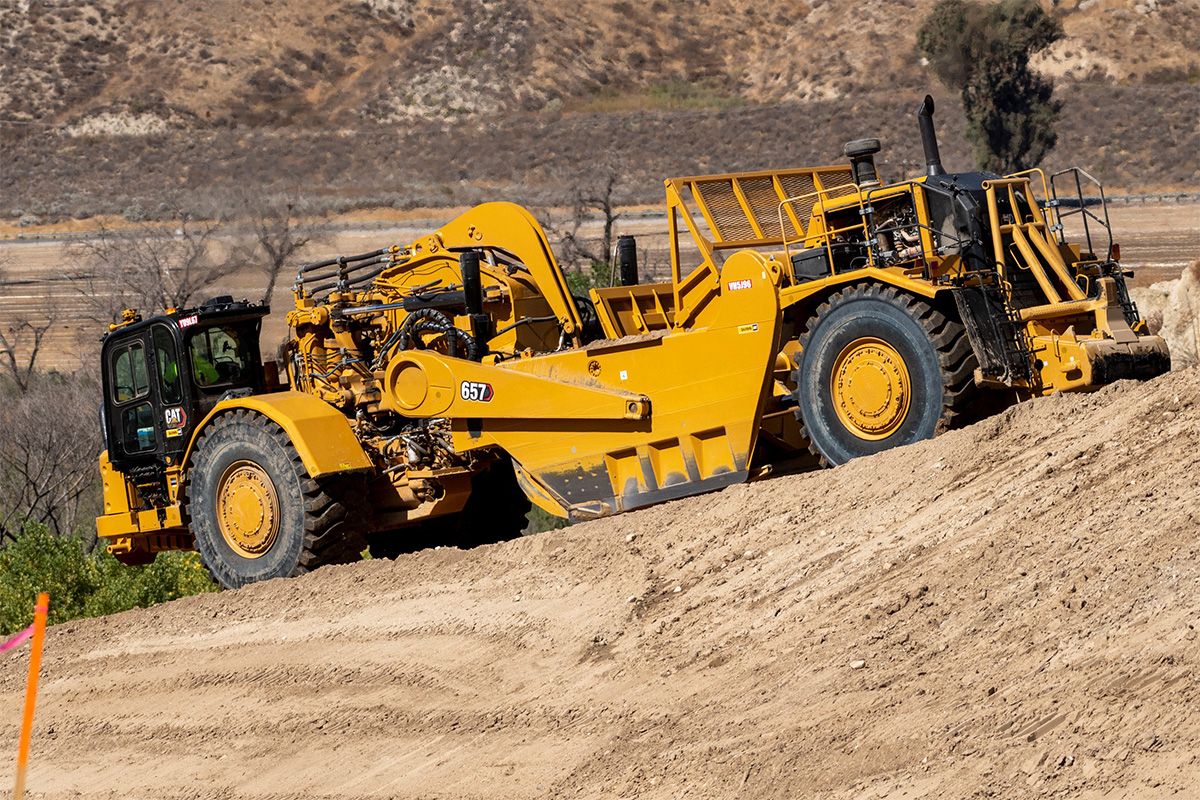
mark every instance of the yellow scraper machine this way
{"type": "Point", "coordinates": [428, 393]}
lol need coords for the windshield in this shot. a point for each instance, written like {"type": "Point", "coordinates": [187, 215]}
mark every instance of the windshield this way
{"type": "Point", "coordinates": [220, 356]}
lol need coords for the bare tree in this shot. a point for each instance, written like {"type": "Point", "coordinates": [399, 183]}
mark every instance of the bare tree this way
{"type": "Point", "coordinates": [149, 266]}
{"type": "Point", "coordinates": [576, 249]}
{"type": "Point", "coordinates": [49, 442]}
{"type": "Point", "coordinates": [21, 340]}
{"type": "Point", "coordinates": [20, 345]}
{"type": "Point", "coordinates": [278, 228]}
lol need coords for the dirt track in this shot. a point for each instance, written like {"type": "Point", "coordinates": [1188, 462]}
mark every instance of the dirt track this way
{"type": "Point", "coordinates": [1158, 241]}
{"type": "Point", "coordinates": [1023, 595]}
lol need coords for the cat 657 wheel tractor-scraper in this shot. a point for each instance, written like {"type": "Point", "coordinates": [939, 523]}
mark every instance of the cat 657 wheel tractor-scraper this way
{"type": "Point", "coordinates": [428, 393]}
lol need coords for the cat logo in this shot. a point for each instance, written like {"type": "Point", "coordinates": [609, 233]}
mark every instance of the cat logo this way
{"type": "Point", "coordinates": [174, 417]}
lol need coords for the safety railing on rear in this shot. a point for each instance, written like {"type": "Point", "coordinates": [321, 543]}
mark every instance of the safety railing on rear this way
{"type": "Point", "coordinates": [1057, 203]}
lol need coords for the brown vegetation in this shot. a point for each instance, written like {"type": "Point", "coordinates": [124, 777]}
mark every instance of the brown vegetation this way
{"type": "Point", "coordinates": [417, 103]}
{"type": "Point", "coordinates": [49, 444]}
{"type": "Point", "coordinates": [346, 61]}
{"type": "Point", "coordinates": [1132, 138]}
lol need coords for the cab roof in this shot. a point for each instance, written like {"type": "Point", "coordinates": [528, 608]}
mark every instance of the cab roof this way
{"type": "Point", "coordinates": [223, 307]}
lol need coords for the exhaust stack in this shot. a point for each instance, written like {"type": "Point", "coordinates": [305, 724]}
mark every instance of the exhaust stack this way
{"type": "Point", "coordinates": [472, 278]}
{"type": "Point", "coordinates": [627, 260]}
{"type": "Point", "coordinates": [933, 159]}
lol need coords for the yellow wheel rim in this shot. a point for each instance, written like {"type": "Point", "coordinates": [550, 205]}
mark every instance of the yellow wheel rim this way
{"type": "Point", "coordinates": [870, 388]}
{"type": "Point", "coordinates": [247, 509]}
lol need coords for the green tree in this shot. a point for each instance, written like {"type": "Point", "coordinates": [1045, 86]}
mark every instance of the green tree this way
{"type": "Point", "coordinates": [983, 51]}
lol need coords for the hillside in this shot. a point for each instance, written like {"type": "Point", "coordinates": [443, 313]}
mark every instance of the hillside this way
{"type": "Point", "coordinates": [1007, 611]}
{"type": "Point", "coordinates": [145, 107]}
{"type": "Point", "coordinates": [144, 65]}
{"type": "Point", "coordinates": [1134, 138]}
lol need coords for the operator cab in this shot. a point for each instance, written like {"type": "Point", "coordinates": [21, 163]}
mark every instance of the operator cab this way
{"type": "Point", "coordinates": [161, 376]}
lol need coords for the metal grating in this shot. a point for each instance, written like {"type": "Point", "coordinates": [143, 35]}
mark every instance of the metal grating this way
{"type": "Point", "coordinates": [764, 202]}
{"type": "Point", "coordinates": [742, 209]}
{"type": "Point", "coordinates": [799, 185]}
{"type": "Point", "coordinates": [802, 185]}
{"type": "Point", "coordinates": [838, 178]}
{"type": "Point", "coordinates": [729, 220]}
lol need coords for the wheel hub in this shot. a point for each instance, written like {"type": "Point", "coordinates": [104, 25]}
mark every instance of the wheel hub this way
{"type": "Point", "coordinates": [247, 509]}
{"type": "Point", "coordinates": [870, 388]}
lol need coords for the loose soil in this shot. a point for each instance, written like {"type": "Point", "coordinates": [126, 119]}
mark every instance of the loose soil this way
{"type": "Point", "coordinates": [1009, 611]}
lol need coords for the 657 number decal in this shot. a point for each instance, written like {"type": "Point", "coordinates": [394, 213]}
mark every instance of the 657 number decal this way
{"type": "Point", "coordinates": [477, 391]}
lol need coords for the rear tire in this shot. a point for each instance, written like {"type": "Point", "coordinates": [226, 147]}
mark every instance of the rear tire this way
{"type": "Point", "coordinates": [256, 514]}
{"type": "Point", "coordinates": [879, 369]}
{"type": "Point", "coordinates": [496, 511]}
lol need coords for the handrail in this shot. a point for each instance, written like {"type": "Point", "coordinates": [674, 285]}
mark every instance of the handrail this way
{"type": "Point", "coordinates": [1028, 236]}
{"type": "Point", "coordinates": [820, 195]}
{"type": "Point", "coordinates": [865, 206]}
{"type": "Point", "coordinates": [1026, 173]}
{"type": "Point", "coordinates": [1082, 210]}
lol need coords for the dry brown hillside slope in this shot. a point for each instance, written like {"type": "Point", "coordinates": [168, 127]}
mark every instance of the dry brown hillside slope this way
{"type": "Point", "coordinates": [137, 65]}
{"type": "Point", "coordinates": [147, 108]}
{"type": "Point", "coordinates": [1007, 611]}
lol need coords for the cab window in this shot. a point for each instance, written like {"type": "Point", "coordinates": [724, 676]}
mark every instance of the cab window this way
{"type": "Point", "coordinates": [131, 379]}
{"type": "Point", "coordinates": [168, 367]}
{"type": "Point", "coordinates": [137, 428]}
{"type": "Point", "coordinates": [218, 356]}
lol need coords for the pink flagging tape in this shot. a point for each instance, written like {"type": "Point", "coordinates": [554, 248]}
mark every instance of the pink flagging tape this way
{"type": "Point", "coordinates": [17, 640]}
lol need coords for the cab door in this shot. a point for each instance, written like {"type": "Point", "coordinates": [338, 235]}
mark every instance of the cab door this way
{"type": "Point", "coordinates": [130, 397]}
{"type": "Point", "coordinates": [177, 412]}
{"type": "Point", "coordinates": [148, 408]}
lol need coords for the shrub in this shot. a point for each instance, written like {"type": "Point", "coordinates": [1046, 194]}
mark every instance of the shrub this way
{"type": "Point", "coordinates": [86, 585]}
{"type": "Point", "coordinates": [983, 51]}
{"type": "Point", "coordinates": [594, 275]}
{"type": "Point", "coordinates": [541, 521]}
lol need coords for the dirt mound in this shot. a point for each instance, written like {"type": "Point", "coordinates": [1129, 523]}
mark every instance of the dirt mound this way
{"type": "Point", "coordinates": [1172, 309]}
{"type": "Point", "coordinates": [1007, 611]}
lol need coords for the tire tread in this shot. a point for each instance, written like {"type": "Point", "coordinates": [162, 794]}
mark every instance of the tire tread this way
{"type": "Point", "coordinates": [948, 337]}
{"type": "Point", "coordinates": [332, 533]}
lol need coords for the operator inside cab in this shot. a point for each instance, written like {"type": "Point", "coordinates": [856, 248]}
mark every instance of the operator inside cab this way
{"type": "Point", "coordinates": [164, 374]}
{"type": "Point", "coordinates": [217, 356]}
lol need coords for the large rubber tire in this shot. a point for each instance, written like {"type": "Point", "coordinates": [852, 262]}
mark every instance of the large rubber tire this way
{"type": "Point", "coordinates": [934, 350]}
{"type": "Point", "coordinates": [314, 525]}
{"type": "Point", "coordinates": [496, 511]}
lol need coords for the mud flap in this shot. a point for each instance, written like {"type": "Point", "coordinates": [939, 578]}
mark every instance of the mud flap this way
{"type": "Point", "coordinates": [993, 337]}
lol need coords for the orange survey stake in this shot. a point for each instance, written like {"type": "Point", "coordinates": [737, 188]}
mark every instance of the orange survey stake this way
{"type": "Point", "coordinates": [35, 662]}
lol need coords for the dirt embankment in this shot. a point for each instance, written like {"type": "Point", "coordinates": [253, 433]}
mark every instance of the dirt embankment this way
{"type": "Point", "coordinates": [1172, 310]}
{"type": "Point", "coordinates": [1007, 611]}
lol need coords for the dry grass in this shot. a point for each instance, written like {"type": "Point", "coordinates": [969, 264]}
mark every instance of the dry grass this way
{"type": "Point", "coordinates": [1132, 138]}
{"type": "Point", "coordinates": [289, 62]}
{"type": "Point", "coordinates": [669, 96]}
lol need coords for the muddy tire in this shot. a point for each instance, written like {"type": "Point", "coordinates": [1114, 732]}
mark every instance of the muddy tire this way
{"type": "Point", "coordinates": [256, 514]}
{"type": "Point", "coordinates": [880, 368]}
